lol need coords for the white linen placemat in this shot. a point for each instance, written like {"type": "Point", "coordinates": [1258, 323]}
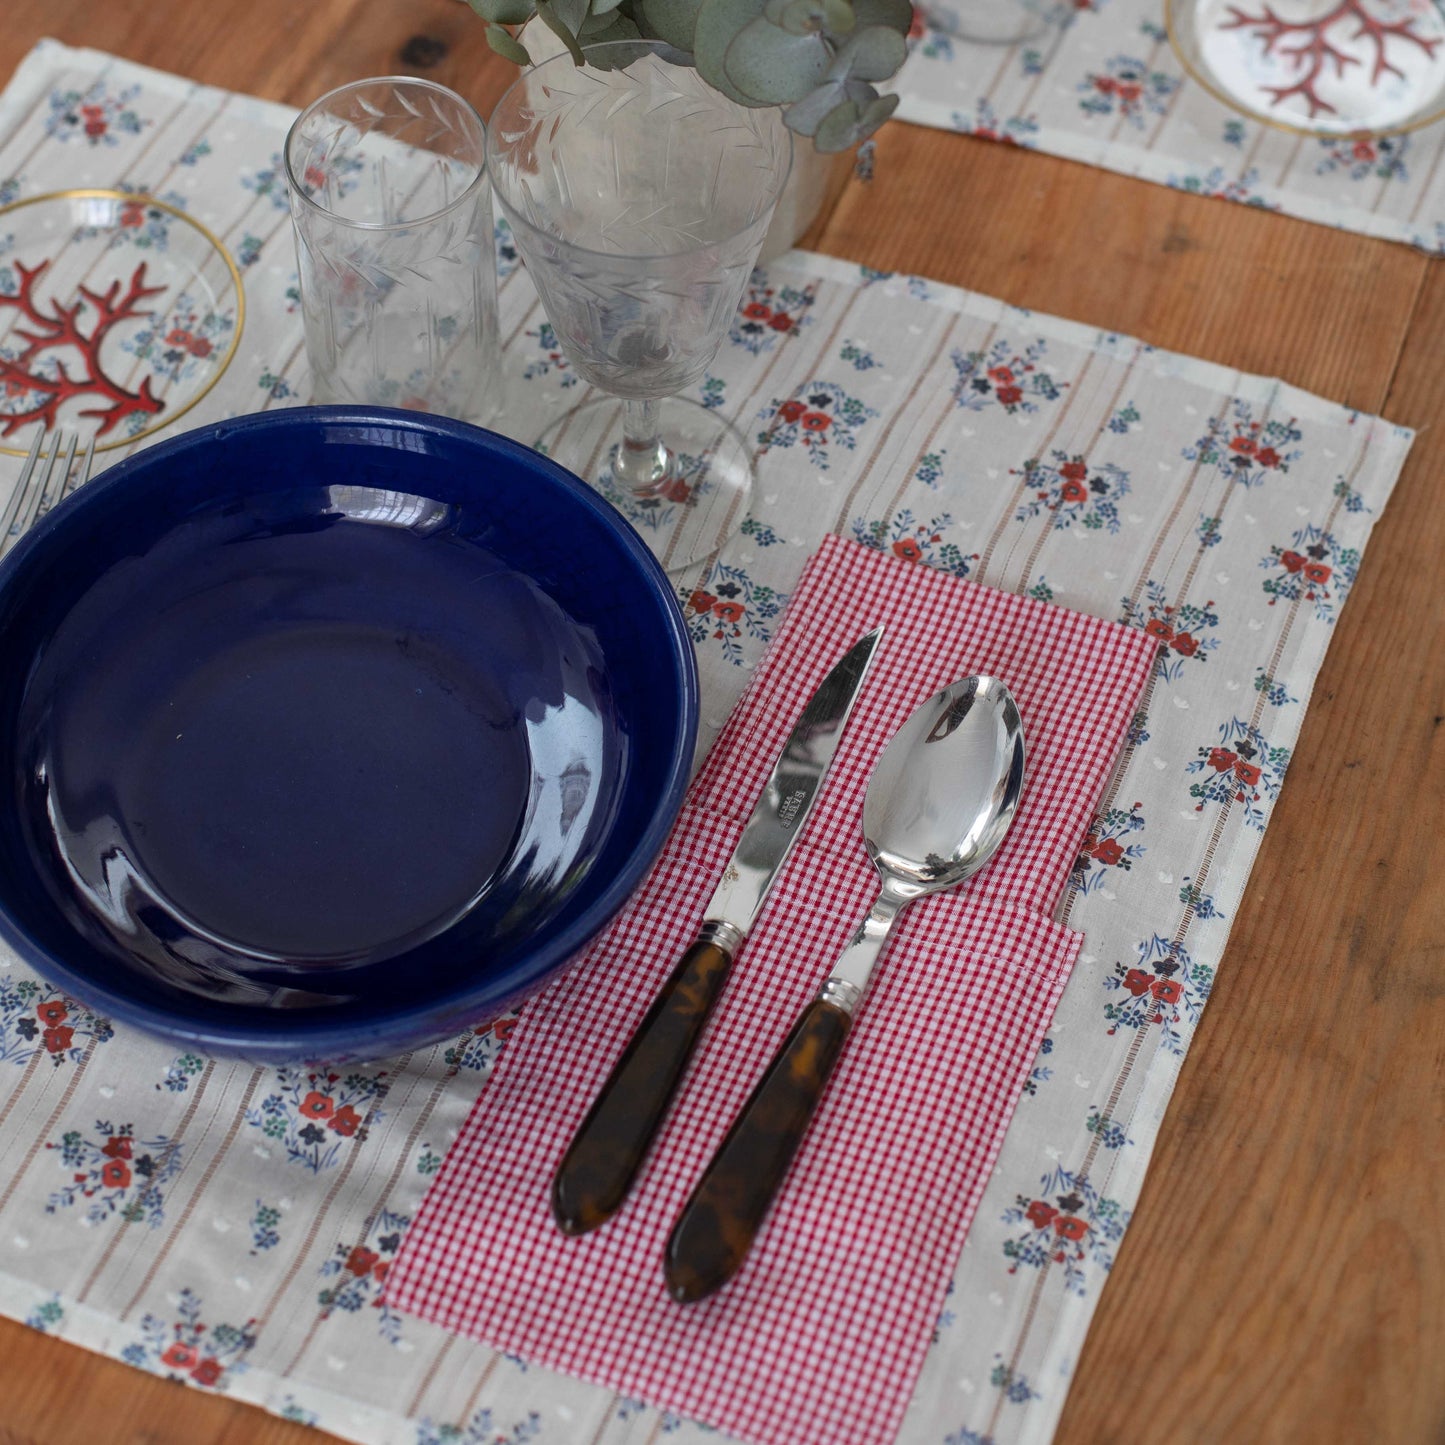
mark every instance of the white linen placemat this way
{"type": "Point", "coordinates": [1107, 88]}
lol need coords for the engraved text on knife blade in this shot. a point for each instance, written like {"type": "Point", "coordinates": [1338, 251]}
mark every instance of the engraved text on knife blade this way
{"type": "Point", "coordinates": [797, 779]}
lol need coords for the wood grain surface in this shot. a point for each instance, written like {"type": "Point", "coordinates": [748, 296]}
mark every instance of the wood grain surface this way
{"type": "Point", "coordinates": [1284, 1276]}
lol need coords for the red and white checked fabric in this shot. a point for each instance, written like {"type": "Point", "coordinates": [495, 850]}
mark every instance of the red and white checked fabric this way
{"type": "Point", "coordinates": [821, 1334]}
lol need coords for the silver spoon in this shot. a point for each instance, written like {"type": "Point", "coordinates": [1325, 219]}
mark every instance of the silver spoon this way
{"type": "Point", "coordinates": [939, 802]}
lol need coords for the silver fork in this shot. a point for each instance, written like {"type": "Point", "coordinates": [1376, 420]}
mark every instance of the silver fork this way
{"type": "Point", "coordinates": [33, 494]}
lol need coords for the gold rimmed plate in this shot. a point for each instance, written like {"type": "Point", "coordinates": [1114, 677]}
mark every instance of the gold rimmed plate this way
{"type": "Point", "coordinates": [118, 313]}
{"type": "Point", "coordinates": [1330, 68]}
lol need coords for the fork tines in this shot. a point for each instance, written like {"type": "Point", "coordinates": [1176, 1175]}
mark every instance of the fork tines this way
{"type": "Point", "coordinates": [33, 494]}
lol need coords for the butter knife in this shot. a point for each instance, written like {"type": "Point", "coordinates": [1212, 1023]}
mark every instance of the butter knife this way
{"type": "Point", "coordinates": [609, 1147]}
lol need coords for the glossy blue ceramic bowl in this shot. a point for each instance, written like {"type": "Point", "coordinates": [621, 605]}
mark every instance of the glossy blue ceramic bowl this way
{"type": "Point", "coordinates": [331, 732]}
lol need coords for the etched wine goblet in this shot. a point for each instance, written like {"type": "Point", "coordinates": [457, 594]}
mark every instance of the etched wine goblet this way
{"type": "Point", "coordinates": [639, 197]}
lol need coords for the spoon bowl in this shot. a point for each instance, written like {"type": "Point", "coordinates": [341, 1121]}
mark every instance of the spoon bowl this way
{"type": "Point", "coordinates": [945, 791]}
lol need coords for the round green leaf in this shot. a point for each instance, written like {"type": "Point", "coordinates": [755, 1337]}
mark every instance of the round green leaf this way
{"type": "Point", "coordinates": [772, 66]}
{"type": "Point", "coordinates": [509, 49]}
{"type": "Point", "coordinates": [895, 14]}
{"type": "Point", "coordinates": [874, 53]}
{"type": "Point", "coordinates": [718, 24]}
{"type": "Point", "coordinates": [672, 20]}
{"type": "Point", "coordinates": [806, 115]}
{"type": "Point", "coordinates": [811, 17]}
{"type": "Point", "coordinates": [850, 123]}
{"type": "Point", "coordinates": [601, 29]}
{"type": "Point", "coordinates": [555, 23]}
{"type": "Point", "coordinates": [503, 12]}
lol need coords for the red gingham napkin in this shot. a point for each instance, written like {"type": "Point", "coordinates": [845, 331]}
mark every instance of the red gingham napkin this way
{"type": "Point", "coordinates": [821, 1334]}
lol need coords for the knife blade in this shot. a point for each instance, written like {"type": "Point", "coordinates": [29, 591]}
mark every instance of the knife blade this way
{"type": "Point", "coordinates": [608, 1149]}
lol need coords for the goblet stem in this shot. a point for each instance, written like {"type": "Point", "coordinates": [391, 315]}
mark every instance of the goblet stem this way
{"type": "Point", "coordinates": [643, 462]}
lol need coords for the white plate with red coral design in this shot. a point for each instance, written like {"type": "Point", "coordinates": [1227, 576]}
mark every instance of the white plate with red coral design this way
{"type": "Point", "coordinates": [118, 313]}
{"type": "Point", "coordinates": [1324, 67]}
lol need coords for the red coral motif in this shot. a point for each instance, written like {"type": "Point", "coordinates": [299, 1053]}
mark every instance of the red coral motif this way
{"type": "Point", "coordinates": [1313, 53]}
{"type": "Point", "coordinates": [61, 329]}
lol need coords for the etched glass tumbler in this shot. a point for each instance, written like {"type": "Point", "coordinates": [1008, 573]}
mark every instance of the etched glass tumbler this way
{"type": "Point", "coordinates": [393, 220]}
{"type": "Point", "coordinates": [639, 197]}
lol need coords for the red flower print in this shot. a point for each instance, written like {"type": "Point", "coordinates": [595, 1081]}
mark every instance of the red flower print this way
{"type": "Point", "coordinates": [117, 1147]}
{"type": "Point", "coordinates": [790, 411]}
{"type": "Point", "coordinates": [1075, 471]}
{"type": "Point", "coordinates": [360, 1260]}
{"type": "Point", "coordinates": [178, 336]}
{"type": "Point", "coordinates": [700, 601]}
{"type": "Point", "coordinates": [1168, 991]}
{"type": "Point", "coordinates": [314, 177]}
{"type": "Point", "coordinates": [908, 549]}
{"type": "Point", "coordinates": [1221, 759]}
{"type": "Point", "coordinates": [1291, 561]}
{"type": "Point", "coordinates": [379, 1272]}
{"type": "Point", "coordinates": [729, 611]}
{"type": "Point", "coordinates": [1362, 150]}
{"type": "Point", "coordinates": [781, 322]}
{"type": "Point", "coordinates": [344, 1121]}
{"type": "Point", "coordinates": [1070, 1226]}
{"type": "Point", "coordinates": [1156, 628]}
{"type": "Point", "coordinates": [676, 489]}
{"type": "Point", "coordinates": [1247, 773]}
{"type": "Point", "coordinates": [180, 1357]}
{"type": "Point", "coordinates": [1137, 981]}
{"type": "Point", "coordinates": [1040, 1214]}
{"type": "Point", "coordinates": [1185, 644]}
{"type": "Point", "coordinates": [1001, 374]}
{"type": "Point", "coordinates": [1105, 84]}
{"type": "Point", "coordinates": [756, 311]}
{"type": "Point", "coordinates": [1010, 395]}
{"type": "Point", "coordinates": [1073, 491]}
{"type": "Point", "coordinates": [1317, 573]}
{"type": "Point", "coordinates": [1109, 852]}
{"type": "Point", "coordinates": [199, 346]}
{"type": "Point", "coordinates": [816, 421]}
{"type": "Point", "coordinates": [52, 1013]}
{"type": "Point", "coordinates": [115, 1174]}
{"type": "Point", "coordinates": [317, 1106]}
{"type": "Point", "coordinates": [58, 1040]}
{"type": "Point", "coordinates": [1244, 445]}
{"type": "Point", "coordinates": [207, 1372]}
{"type": "Point", "coordinates": [1267, 457]}
{"type": "Point", "coordinates": [1130, 90]}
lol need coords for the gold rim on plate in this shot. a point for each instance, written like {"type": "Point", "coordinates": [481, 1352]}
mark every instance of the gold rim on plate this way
{"type": "Point", "coordinates": [142, 198]}
{"type": "Point", "coordinates": [1205, 81]}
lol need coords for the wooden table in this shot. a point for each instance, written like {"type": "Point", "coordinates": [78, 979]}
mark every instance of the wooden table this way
{"type": "Point", "coordinates": [1284, 1279]}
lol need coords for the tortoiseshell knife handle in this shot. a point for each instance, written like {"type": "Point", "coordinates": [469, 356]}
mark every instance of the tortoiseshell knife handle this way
{"type": "Point", "coordinates": [604, 1157]}
{"type": "Point", "coordinates": [719, 1222]}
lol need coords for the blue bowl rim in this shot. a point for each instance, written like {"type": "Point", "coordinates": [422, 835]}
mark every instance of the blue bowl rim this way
{"type": "Point", "coordinates": [273, 1034]}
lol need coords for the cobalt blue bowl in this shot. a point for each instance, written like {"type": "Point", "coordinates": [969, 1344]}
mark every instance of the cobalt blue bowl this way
{"type": "Point", "coordinates": [331, 732]}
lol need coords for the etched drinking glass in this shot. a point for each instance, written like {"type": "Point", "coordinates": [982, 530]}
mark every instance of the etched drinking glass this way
{"type": "Point", "coordinates": [639, 197]}
{"type": "Point", "coordinates": [393, 220]}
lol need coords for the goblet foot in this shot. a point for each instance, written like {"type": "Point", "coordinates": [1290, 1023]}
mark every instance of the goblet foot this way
{"type": "Point", "coordinates": [702, 494]}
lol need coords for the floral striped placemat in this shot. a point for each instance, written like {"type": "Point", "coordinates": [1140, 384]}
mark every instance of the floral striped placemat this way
{"type": "Point", "coordinates": [234, 1227]}
{"type": "Point", "coordinates": [1106, 87]}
